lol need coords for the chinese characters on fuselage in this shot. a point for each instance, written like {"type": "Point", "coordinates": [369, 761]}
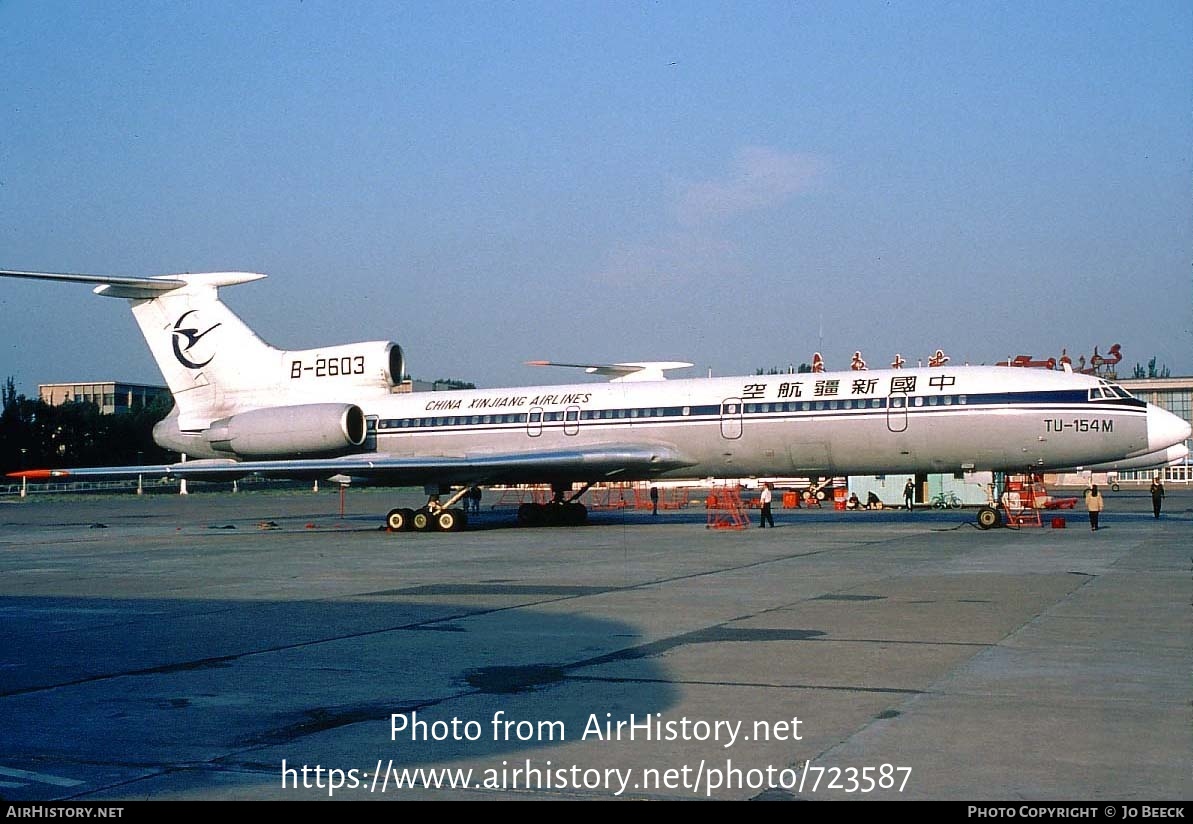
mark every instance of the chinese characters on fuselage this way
{"type": "Point", "coordinates": [832, 387]}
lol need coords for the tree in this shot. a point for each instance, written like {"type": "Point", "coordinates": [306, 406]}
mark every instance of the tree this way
{"type": "Point", "coordinates": [1151, 371]}
{"type": "Point", "coordinates": [34, 434]}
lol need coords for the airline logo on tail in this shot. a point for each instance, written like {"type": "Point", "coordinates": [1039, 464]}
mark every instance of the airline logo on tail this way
{"type": "Point", "coordinates": [191, 335]}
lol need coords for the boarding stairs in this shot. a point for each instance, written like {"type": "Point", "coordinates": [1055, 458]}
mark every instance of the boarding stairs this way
{"type": "Point", "coordinates": [725, 509]}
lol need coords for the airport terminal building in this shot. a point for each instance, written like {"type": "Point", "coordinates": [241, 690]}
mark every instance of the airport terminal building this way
{"type": "Point", "coordinates": [1176, 396]}
{"type": "Point", "coordinates": [111, 397]}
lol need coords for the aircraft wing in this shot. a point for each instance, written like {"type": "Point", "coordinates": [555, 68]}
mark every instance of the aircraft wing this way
{"type": "Point", "coordinates": [606, 462]}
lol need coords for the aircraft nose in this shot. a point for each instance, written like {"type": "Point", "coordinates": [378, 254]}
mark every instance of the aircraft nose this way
{"type": "Point", "coordinates": [1165, 429]}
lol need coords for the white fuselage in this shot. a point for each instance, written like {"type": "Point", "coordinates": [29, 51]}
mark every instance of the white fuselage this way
{"type": "Point", "coordinates": [321, 412]}
{"type": "Point", "coordinates": [913, 420]}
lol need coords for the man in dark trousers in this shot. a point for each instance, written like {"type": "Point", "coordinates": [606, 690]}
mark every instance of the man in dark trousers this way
{"type": "Point", "coordinates": [909, 494]}
{"type": "Point", "coordinates": [1157, 492]}
{"type": "Point", "coordinates": [764, 498]}
{"type": "Point", "coordinates": [654, 500]}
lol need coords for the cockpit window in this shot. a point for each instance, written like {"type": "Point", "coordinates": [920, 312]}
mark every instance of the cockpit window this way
{"type": "Point", "coordinates": [1108, 391]}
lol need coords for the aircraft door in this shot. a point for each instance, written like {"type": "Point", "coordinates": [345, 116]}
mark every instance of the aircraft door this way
{"type": "Point", "coordinates": [370, 442]}
{"type": "Point", "coordinates": [731, 420]}
{"type": "Point", "coordinates": [571, 420]}
{"type": "Point", "coordinates": [896, 412]}
{"type": "Point", "coordinates": [534, 422]}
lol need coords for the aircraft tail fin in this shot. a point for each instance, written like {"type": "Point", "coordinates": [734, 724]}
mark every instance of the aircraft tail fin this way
{"type": "Point", "coordinates": [206, 353]}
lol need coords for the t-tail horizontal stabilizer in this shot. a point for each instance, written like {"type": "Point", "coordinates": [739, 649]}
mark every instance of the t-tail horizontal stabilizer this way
{"type": "Point", "coordinates": [117, 286]}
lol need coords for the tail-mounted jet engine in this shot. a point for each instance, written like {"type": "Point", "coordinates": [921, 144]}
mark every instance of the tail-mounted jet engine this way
{"type": "Point", "coordinates": [324, 429]}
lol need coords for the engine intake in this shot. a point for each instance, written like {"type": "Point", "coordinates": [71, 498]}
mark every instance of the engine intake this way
{"type": "Point", "coordinates": [324, 429]}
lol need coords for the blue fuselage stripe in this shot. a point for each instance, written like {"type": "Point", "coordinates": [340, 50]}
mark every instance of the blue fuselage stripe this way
{"type": "Point", "coordinates": [1061, 402]}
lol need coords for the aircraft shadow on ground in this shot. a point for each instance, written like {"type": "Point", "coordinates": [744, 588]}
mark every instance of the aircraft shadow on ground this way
{"type": "Point", "coordinates": [136, 688]}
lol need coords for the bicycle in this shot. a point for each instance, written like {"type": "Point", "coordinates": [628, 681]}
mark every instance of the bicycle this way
{"type": "Point", "coordinates": [946, 500]}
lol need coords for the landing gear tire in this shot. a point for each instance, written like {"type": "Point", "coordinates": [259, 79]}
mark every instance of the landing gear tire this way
{"type": "Point", "coordinates": [530, 515]}
{"type": "Point", "coordinates": [577, 514]}
{"type": "Point", "coordinates": [989, 517]}
{"type": "Point", "coordinates": [552, 514]}
{"type": "Point", "coordinates": [398, 520]}
{"type": "Point", "coordinates": [565, 514]}
{"type": "Point", "coordinates": [450, 520]}
{"type": "Point", "coordinates": [421, 521]}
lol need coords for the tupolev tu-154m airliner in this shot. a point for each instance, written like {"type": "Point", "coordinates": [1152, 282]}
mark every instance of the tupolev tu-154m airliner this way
{"type": "Point", "coordinates": [242, 406]}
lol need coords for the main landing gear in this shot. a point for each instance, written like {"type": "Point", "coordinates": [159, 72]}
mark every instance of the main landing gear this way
{"type": "Point", "coordinates": [435, 516]}
{"type": "Point", "coordinates": [425, 519]}
{"type": "Point", "coordinates": [558, 512]}
{"type": "Point", "coordinates": [444, 517]}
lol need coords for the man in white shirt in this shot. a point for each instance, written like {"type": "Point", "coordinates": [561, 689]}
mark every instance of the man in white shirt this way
{"type": "Point", "coordinates": [764, 498]}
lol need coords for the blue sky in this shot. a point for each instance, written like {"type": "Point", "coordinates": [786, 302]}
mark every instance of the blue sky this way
{"type": "Point", "coordinates": [732, 184]}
